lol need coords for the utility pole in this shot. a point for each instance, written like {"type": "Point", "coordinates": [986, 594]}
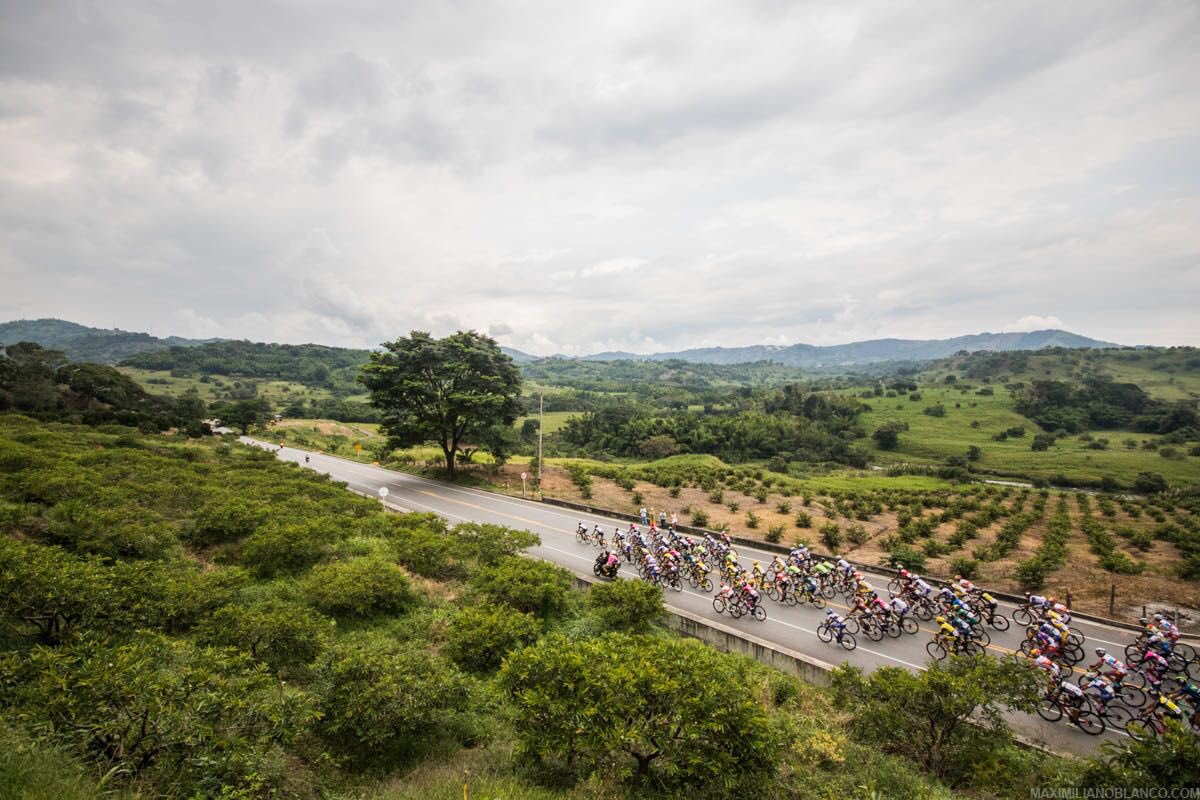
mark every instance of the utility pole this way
{"type": "Point", "coordinates": [541, 406]}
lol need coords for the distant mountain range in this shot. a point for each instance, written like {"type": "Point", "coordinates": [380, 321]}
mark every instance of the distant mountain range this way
{"type": "Point", "coordinates": [868, 352]}
{"type": "Point", "coordinates": [81, 343]}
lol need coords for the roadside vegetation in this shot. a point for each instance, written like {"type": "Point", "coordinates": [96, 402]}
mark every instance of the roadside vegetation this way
{"type": "Point", "coordinates": [191, 618]}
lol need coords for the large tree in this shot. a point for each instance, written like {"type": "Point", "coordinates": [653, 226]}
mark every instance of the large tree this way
{"type": "Point", "coordinates": [450, 390]}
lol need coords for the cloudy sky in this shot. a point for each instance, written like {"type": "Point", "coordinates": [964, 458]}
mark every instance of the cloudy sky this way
{"type": "Point", "coordinates": [578, 177]}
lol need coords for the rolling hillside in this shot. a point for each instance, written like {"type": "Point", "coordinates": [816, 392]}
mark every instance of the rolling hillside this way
{"type": "Point", "coordinates": [81, 343]}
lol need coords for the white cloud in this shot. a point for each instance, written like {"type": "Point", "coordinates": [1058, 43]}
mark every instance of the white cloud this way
{"type": "Point", "coordinates": [1033, 322]}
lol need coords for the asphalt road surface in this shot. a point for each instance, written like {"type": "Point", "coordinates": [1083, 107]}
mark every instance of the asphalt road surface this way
{"type": "Point", "coordinates": [790, 627]}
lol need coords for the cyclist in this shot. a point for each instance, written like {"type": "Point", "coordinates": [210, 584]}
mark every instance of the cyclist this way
{"type": "Point", "coordinates": [899, 606]}
{"type": "Point", "coordinates": [756, 572]}
{"type": "Point", "coordinates": [946, 632]}
{"type": "Point", "coordinates": [835, 623]}
{"type": "Point", "coordinates": [920, 588]}
{"type": "Point", "coordinates": [750, 595]}
{"type": "Point", "coordinates": [1118, 668]}
{"type": "Point", "coordinates": [1046, 664]}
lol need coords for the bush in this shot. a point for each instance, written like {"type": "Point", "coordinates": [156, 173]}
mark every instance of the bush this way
{"type": "Point", "coordinates": [225, 520]}
{"type": "Point", "coordinates": [534, 587]}
{"type": "Point", "coordinates": [290, 547]}
{"type": "Point", "coordinates": [1117, 561]}
{"type": "Point", "coordinates": [380, 700]}
{"type": "Point", "coordinates": [1171, 761]}
{"type": "Point", "coordinates": [1149, 483]}
{"type": "Point", "coordinates": [203, 721]}
{"type": "Point", "coordinates": [783, 507]}
{"type": "Point", "coordinates": [751, 520]}
{"type": "Point", "coordinates": [280, 634]}
{"type": "Point", "coordinates": [948, 718]}
{"type": "Point", "coordinates": [626, 605]}
{"type": "Point", "coordinates": [803, 519]}
{"type": "Point", "coordinates": [775, 533]}
{"type": "Point", "coordinates": [360, 588]}
{"type": "Point", "coordinates": [670, 714]}
{"type": "Point", "coordinates": [760, 494]}
{"type": "Point", "coordinates": [857, 534]}
{"type": "Point", "coordinates": [699, 518]}
{"type": "Point", "coordinates": [1042, 442]}
{"type": "Point", "coordinates": [831, 536]}
{"type": "Point", "coordinates": [1031, 573]}
{"type": "Point", "coordinates": [487, 543]}
{"type": "Point", "coordinates": [478, 638]}
{"type": "Point", "coordinates": [733, 506]}
{"type": "Point", "coordinates": [966, 567]}
{"type": "Point", "coordinates": [909, 557]}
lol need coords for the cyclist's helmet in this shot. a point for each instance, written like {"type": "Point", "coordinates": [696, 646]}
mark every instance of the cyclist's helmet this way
{"type": "Point", "coordinates": [857, 575]}
{"type": "Point", "coordinates": [1035, 652]}
{"type": "Point", "coordinates": [756, 564]}
{"type": "Point", "coordinates": [1100, 651]}
{"type": "Point", "coordinates": [941, 620]}
{"type": "Point", "coordinates": [904, 573]}
{"type": "Point", "coordinates": [829, 612]}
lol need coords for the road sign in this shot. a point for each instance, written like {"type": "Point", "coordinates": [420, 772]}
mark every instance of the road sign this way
{"type": "Point", "coordinates": [524, 475]}
{"type": "Point", "coordinates": [383, 492]}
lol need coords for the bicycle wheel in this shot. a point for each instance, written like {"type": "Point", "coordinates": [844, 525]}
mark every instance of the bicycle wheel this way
{"type": "Point", "coordinates": [973, 649]}
{"type": "Point", "coordinates": [1141, 730]}
{"type": "Point", "coordinates": [719, 605]}
{"type": "Point", "coordinates": [705, 585]}
{"type": "Point", "coordinates": [790, 598]}
{"type": "Point", "coordinates": [773, 592]}
{"type": "Point", "coordinates": [1132, 696]}
{"type": "Point", "coordinates": [817, 601]}
{"type": "Point", "coordinates": [675, 584]}
{"type": "Point", "coordinates": [1022, 616]}
{"type": "Point", "coordinates": [852, 625]}
{"type": "Point", "coordinates": [824, 634]}
{"type": "Point", "coordinates": [924, 611]}
{"type": "Point", "coordinates": [1117, 715]}
{"type": "Point", "coordinates": [827, 591]}
{"type": "Point", "coordinates": [1050, 710]}
{"type": "Point", "coordinates": [873, 631]}
{"type": "Point", "coordinates": [909, 625]}
{"type": "Point", "coordinates": [848, 642]}
{"type": "Point", "coordinates": [936, 649]}
{"type": "Point", "coordinates": [984, 637]}
{"type": "Point", "coordinates": [893, 629]}
{"type": "Point", "coordinates": [760, 613]}
{"type": "Point", "coordinates": [736, 610]}
{"type": "Point", "coordinates": [1026, 647]}
{"type": "Point", "coordinates": [999, 622]}
{"type": "Point", "coordinates": [893, 586]}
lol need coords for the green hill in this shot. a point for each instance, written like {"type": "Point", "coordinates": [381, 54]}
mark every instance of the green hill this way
{"type": "Point", "coordinates": [81, 343]}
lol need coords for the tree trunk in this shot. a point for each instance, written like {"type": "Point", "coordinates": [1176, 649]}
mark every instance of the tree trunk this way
{"type": "Point", "coordinates": [449, 461]}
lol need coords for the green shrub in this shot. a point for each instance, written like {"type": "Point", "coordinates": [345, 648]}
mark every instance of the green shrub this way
{"type": "Point", "coordinates": [783, 507]}
{"type": "Point", "coordinates": [803, 519]}
{"type": "Point", "coordinates": [534, 587]}
{"type": "Point", "coordinates": [217, 718]}
{"type": "Point", "coordinates": [699, 517]}
{"type": "Point", "coordinates": [911, 558]}
{"type": "Point", "coordinates": [669, 714]}
{"type": "Point", "coordinates": [751, 520]}
{"type": "Point", "coordinates": [280, 634]}
{"type": "Point", "coordinates": [775, 533]}
{"type": "Point", "coordinates": [626, 605]}
{"type": "Point", "coordinates": [290, 547]}
{"type": "Point", "coordinates": [966, 567]}
{"type": "Point", "coordinates": [478, 637]}
{"type": "Point", "coordinates": [857, 534]}
{"type": "Point", "coordinates": [831, 536]}
{"type": "Point", "coordinates": [361, 588]}
{"type": "Point", "coordinates": [226, 519]}
{"type": "Point", "coordinates": [380, 700]}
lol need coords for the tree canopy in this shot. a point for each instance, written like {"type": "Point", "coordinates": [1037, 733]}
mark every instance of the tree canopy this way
{"type": "Point", "coordinates": [454, 391]}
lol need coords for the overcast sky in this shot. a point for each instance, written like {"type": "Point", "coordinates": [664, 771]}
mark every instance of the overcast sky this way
{"type": "Point", "coordinates": [579, 177]}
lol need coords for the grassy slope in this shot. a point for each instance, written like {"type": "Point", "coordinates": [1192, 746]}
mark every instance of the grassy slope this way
{"type": "Point", "coordinates": [933, 439]}
{"type": "Point", "coordinates": [279, 393]}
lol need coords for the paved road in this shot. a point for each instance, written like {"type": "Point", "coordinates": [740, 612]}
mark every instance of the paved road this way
{"type": "Point", "coordinates": [793, 628]}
